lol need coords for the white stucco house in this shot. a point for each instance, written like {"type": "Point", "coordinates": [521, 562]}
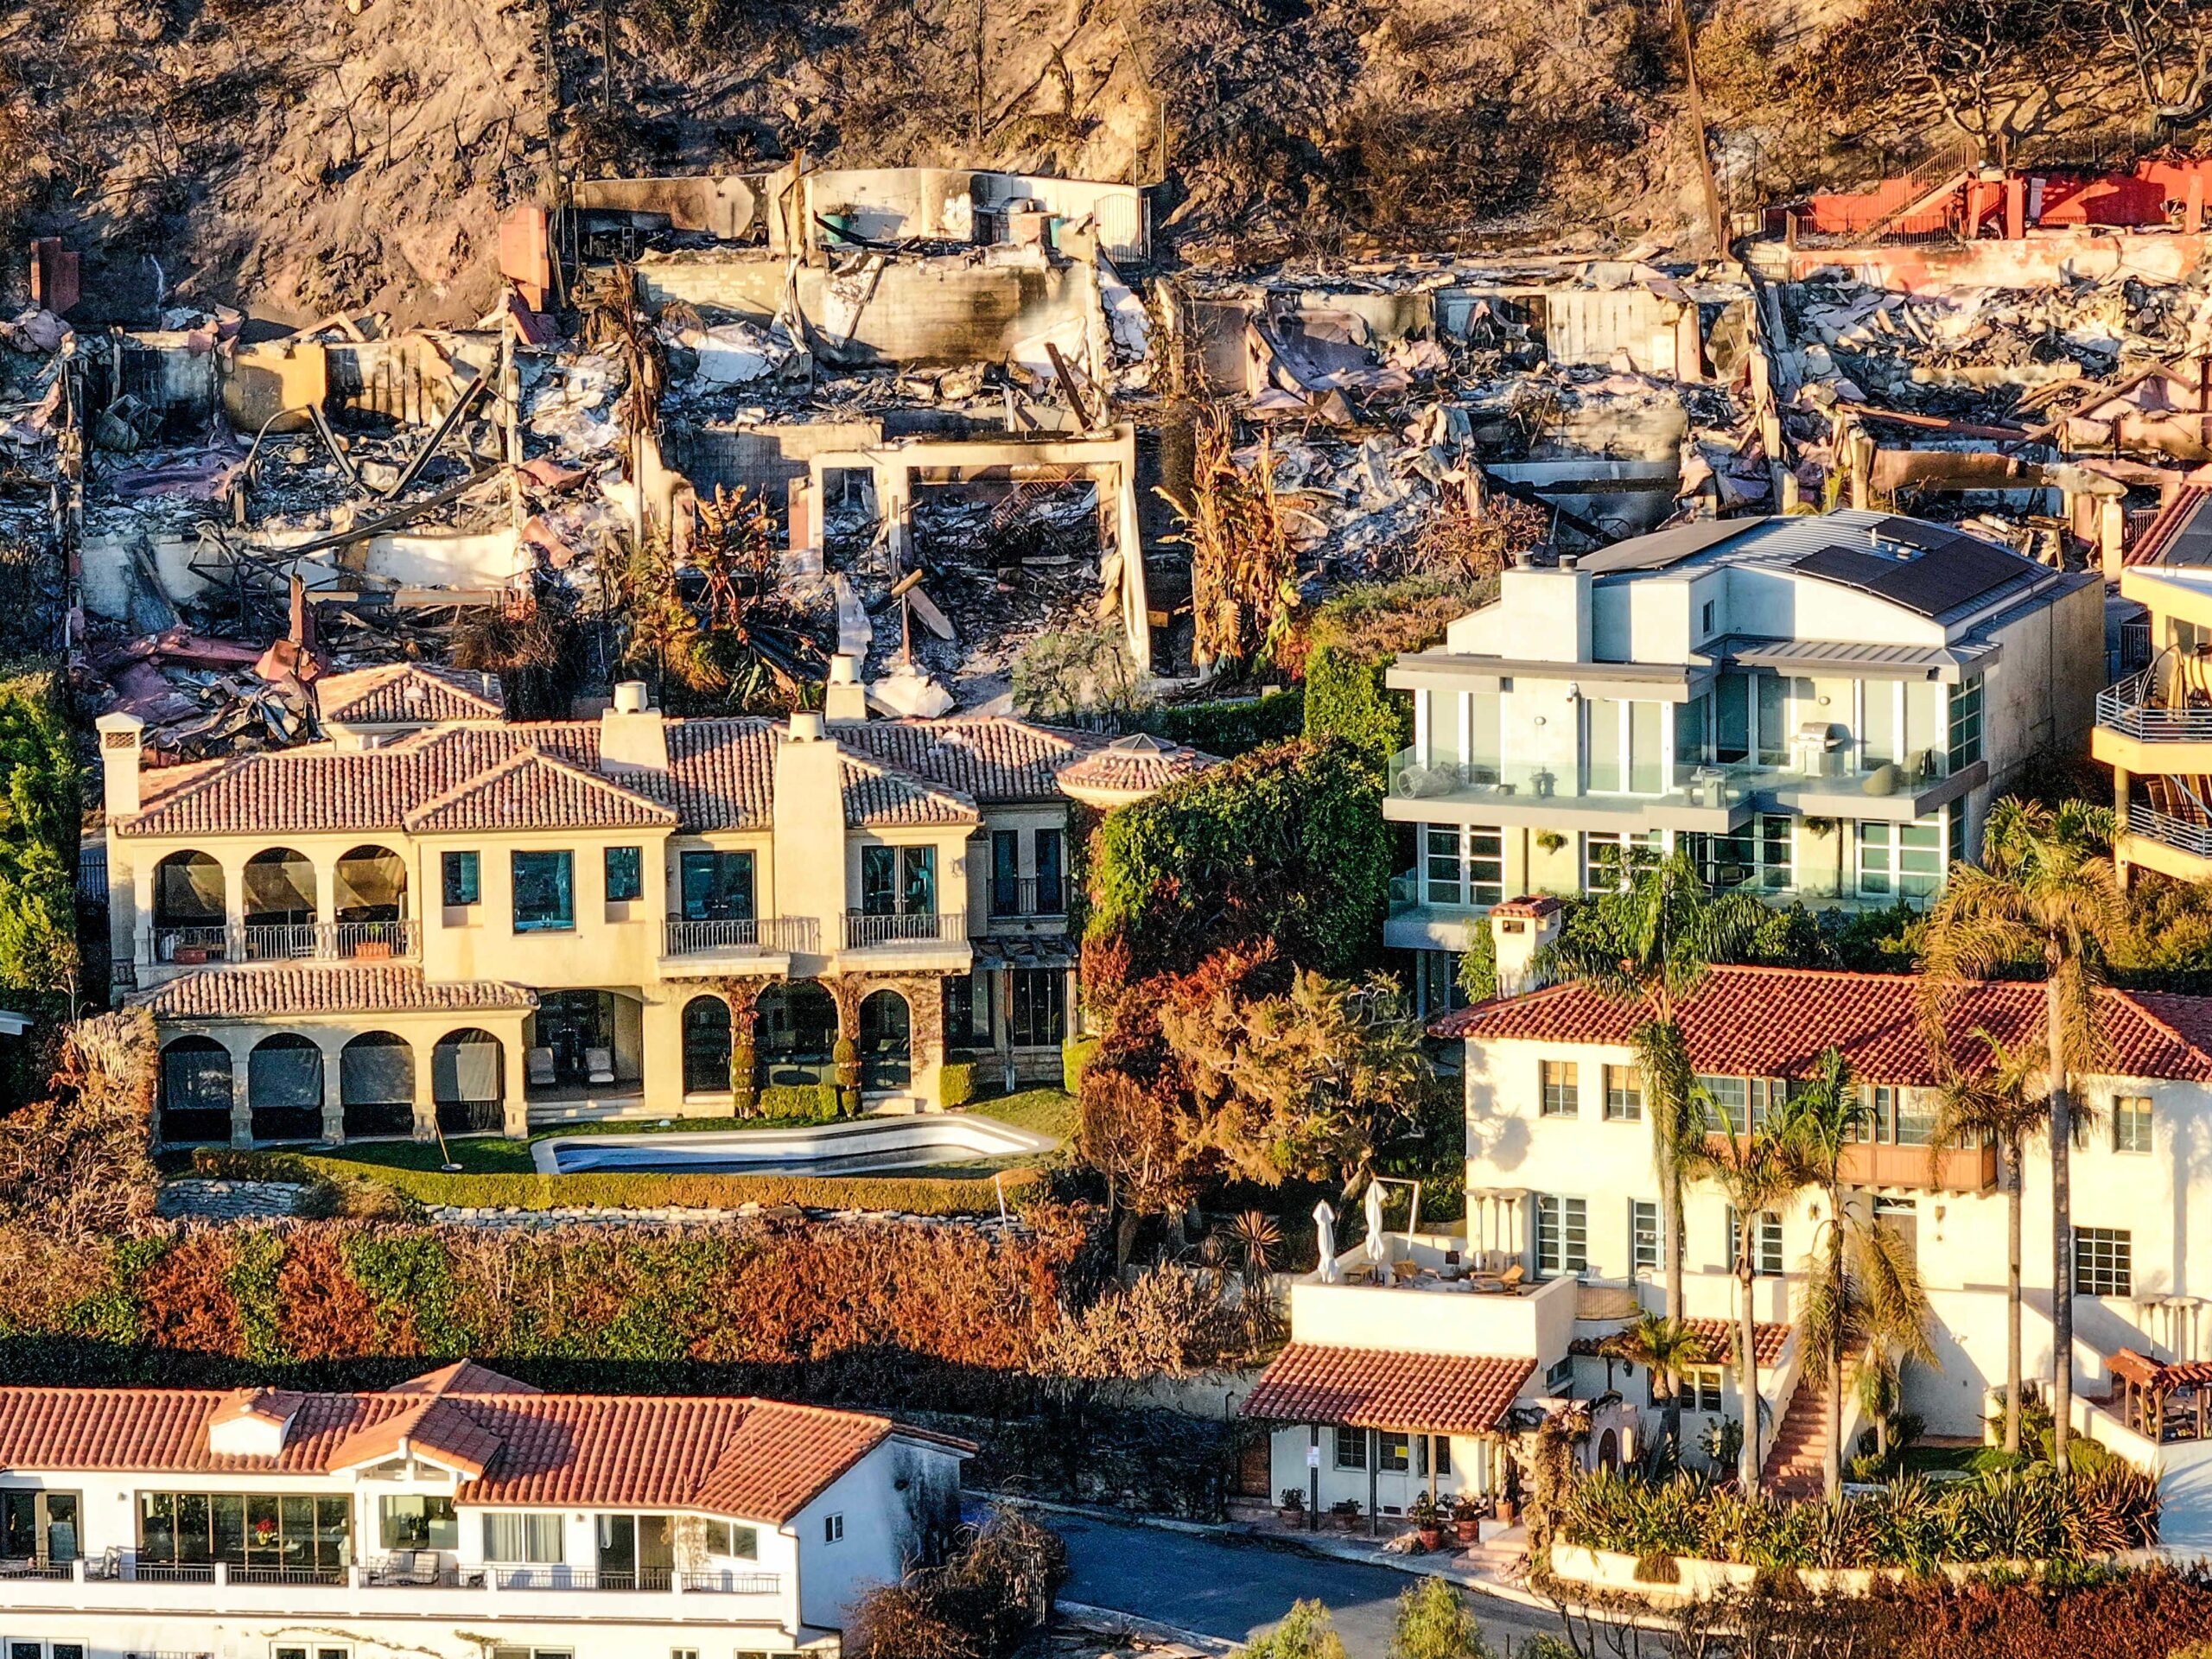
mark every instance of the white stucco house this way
{"type": "Point", "coordinates": [1813, 706]}
{"type": "Point", "coordinates": [460, 1516]}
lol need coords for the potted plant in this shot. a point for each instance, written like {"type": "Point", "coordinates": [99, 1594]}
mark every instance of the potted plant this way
{"type": "Point", "coordinates": [1428, 1525]}
{"type": "Point", "coordinates": [1290, 1509]}
{"type": "Point", "coordinates": [1466, 1519]}
{"type": "Point", "coordinates": [1344, 1513]}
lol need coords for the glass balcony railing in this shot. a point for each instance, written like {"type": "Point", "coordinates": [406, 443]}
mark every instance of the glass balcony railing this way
{"type": "Point", "coordinates": [1839, 765]}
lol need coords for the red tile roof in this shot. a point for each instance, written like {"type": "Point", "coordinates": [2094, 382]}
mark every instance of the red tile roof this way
{"type": "Point", "coordinates": [1774, 1022]}
{"type": "Point", "coordinates": [1134, 766]}
{"type": "Point", "coordinates": [1380, 1388]}
{"type": "Point", "coordinates": [531, 787]}
{"type": "Point", "coordinates": [1718, 1337]}
{"type": "Point", "coordinates": [294, 987]}
{"type": "Point", "coordinates": [408, 694]}
{"type": "Point", "coordinates": [752, 1460]}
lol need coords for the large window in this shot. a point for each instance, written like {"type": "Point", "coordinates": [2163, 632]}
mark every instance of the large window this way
{"type": "Point", "coordinates": [1626, 751]}
{"type": "Point", "coordinates": [1624, 1094]}
{"type": "Point", "coordinates": [38, 1526]}
{"type": "Point", "coordinates": [1464, 864]}
{"type": "Point", "coordinates": [545, 891]}
{"type": "Point", "coordinates": [1900, 859]}
{"type": "Point", "coordinates": [1766, 1243]}
{"type": "Point", "coordinates": [461, 877]}
{"type": "Point", "coordinates": [1701, 1389]}
{"type": "Point", "coordinates": [2131, 1123]}
{"type": "Point", "coordinates": [1051, 872]}
{"type": "Point", "coordinates": [716, 886]}
{"type": "Point", "coordinates": [1608, 856]}
{"type": "Point", "coordinates": [1562, 1235]}
{"type": "Point", "coordinates": [1561, 1094]}
{"type": "Point", "coordinates": [1037, 1007]}
{"type": "Point", "coordinates": [524, 1537]}
{"type": "Point", "coordinates": [1644, 1235]}
{"type": "Point", "coordinates": [1006, 872]}
{"type": "Point", "coordinates": [2104, 1262]}
{"type": "Point", "coordinates": [728, 1538]}
{"type": "Point", "coordinates": [417, 1520]}
{"type": "Point", "coordinates": [1760, 856]}
{"type": "Point", "coordinates": [1966, 722]}
{"type": "Point", "coordinates": [1393, 1452]}
{"type": "Point", "coordinates": [625, 874]}
{"type": "Point", "coordinates": [898, 880]}
{"type": "Point", "coordinates": [968, 1010]}
{"type": "Point", "coordinates": [1351, 1448]}
{"type": "Point", "coordinates": [245, 1530]}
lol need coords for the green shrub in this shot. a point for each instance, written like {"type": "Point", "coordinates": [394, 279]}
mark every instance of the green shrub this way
{"type": "Point", "coordinates": [1436, 1620]}
{"type": "Point", "coordinates": [633, 1189]}
{"type": "Point", "coordinates": [1657, 1567]}
{"type": "Point", "coordinates": [1353, 641]}
{"type": "Point", "coordinates": [956, 1082]}
{"type": "Point", "coordinates": [1228, 727]}
{"type": "Point", "coordinates": [41, 818]}
{"type": "Point", "coordinates": [805, 1102]}
{"type": "Point", "coordinates": [1075, 1054]}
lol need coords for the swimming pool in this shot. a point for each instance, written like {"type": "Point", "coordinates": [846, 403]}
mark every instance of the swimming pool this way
{"type": "Point", "coordinates": [855, 1148]}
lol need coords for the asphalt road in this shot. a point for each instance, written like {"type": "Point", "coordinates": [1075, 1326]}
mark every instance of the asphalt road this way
{"type": "Point", "coordinates": [1234, 1589]}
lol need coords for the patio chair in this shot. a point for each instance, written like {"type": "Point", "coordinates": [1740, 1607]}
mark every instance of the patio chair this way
{"type": "Point", "coordinates": [540, 1068]}
{"type": "Point", "coordinates": [1404, 1271]}
{"type": "Point", "coordinates": [598, 1064]}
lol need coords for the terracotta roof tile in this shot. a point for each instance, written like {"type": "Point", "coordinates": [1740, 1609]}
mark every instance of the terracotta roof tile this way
{"type": "Point", "coordinates": [989, 759]}
{"type": "Point", "coordinates": [534, 788]}
{"type": "Point", "coordinates": [1775, 1022]}
{"type": "Point", "coordinates": [1135, 767]}
{"type": "Point", "coordinates": [722, 772]}
{"type": "Point", "coordinates": [752, 1460]}
{"type": "Point", "coordinates": [1378, 1388]}
{"type": "Point", "coordinates": [1718, 1337]}
{"type": "Point", "coordinates": [408, 694]}
{"type": "Point", "coordinates": [878, 795]}
{"type": "Point", "coordinates": [462, 1376]}
{"type": "Point", "coordinates": [291, 987]}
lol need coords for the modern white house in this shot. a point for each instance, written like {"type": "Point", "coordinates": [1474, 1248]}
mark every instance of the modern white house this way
{"type": "Point", "coordinates": [460, 1516]}
{"type": "Point", "coordinates": [1818, 707]}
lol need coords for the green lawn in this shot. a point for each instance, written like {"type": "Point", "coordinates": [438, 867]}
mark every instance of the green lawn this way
{"type": "Point", "coordinates": [1046, 1111]}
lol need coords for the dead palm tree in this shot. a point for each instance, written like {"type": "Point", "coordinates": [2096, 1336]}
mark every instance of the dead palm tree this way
{"type": "Point", "coordinates": [1822, 1119]}
{"type": "Point", "coordinates": [1668, 1348]}
{"type": "Point", "coordinates": [1650, 941]}
{"type": "Point", "coordinates": [2048, 895]}
{"type": "Point", "coordinates": [1999, 1105]}
{"type": "Point", "coordinates": [1759, 1169]}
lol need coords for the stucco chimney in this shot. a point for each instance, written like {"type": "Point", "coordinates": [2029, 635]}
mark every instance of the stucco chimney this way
{"type": "Point", "coordinates": [809, 829]}
{"type": "Point", "coordinates": [1519, 929]}
{"type": "Point", "coordinates": [632, 736]}
{"type": "Point", "coordinates": [845, 697]}
{"type": "Point", "coordinates": [122, 741]}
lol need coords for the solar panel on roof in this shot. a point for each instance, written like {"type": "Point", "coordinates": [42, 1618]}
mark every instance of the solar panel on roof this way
{"type": "Point", "coordinates": [1913, 533]}
{"type": "Point", "coordinates": [1854, 566]}
{"type": "Point", "coordinates": [1949, 571]}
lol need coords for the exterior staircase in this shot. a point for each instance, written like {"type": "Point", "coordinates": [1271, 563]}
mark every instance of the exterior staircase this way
{"type": "Point", "coordinates": [1796, 1464]}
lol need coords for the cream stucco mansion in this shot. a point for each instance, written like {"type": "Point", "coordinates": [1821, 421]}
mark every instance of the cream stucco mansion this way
{"type": "Point", "coordinates": [442, 918]}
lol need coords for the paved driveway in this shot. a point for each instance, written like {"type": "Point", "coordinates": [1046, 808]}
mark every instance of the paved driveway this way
{"type": "Point", "coordinates": [1233, 1589]}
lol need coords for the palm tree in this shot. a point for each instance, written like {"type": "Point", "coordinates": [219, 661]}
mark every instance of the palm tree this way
{"type": "Point", "coordinates": [1649, 942]}
{"type": "Point", "coordinates": [1822, 1119]}
{"type": "Point", "coordinates": [1996, 1105]}
{"type": "Point", "coordinates": [2048, 895]}
{"type": "Point", "coordinates": [1864, 1298]}
{"type": "Point", "coordinates": [1760, 1168]}
{"type": "Point", "coordinates": [1668, 1348]}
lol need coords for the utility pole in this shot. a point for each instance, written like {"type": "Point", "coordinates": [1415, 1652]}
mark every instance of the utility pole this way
{"type": "Point", "coordinates": [1716, 221]}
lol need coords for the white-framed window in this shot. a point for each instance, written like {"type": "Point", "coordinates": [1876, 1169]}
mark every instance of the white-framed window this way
{"type": "Point", "coordinates": [833, 1529]}
{"type": "Point", "coordinates": [1766, 1243]}
{"type": "Point", "coordinates": [1393, 1452]}
{"type": "Point", "coordinates": [684, 1653]}
{"type": "Point", "coordinates": [1463, 864]}
{"type": "Point", "coordinates": [1900, 859]}
{"type": "Point", "coordinates": [524, 1537]}
{"type": "Point", "coordinates": [2131, 1123]}
{"type": "Point", "coordinates": [1351, 1448]}
{"type": "Point", "coordinates": [1600, 874]}
{"type": "Point", "coordinates": [533, 1653]}
{"type": "Point", "coordinates": [1562, 1234]}
{"type": "Point", "coordinates": [728, 1538]}
{"type": "Point", "coordinates": [1561, 1092]}
{"type": "Point", "coordinates": [1643, 1234]}
{"type": "Point", "coordinates": [284, 1650]}
{"type": "Point", "coordinates": [1442, 1444]}
{"type": "Point", "coordinates": [1700, 1389]}
{"type": "Point", "coordinates": [1624, 1094]}
{"type": "Point", "coordinates": [1624, 746]}
{"type": "Point", "coordinates": [1966, 722]}
{"type": "Point", "coordinates": [1705, 620]}
{"type": "Point", "coordinates": [2104, 1262]}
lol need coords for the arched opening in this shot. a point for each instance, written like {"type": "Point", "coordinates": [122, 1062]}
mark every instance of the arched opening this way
{"type": "Point", "coordinates": [706, 1046]}
{"type": "Point", "coordinates": [284, 1088]}
{"type": "Point", "coordinates": [886, 1042]}
{"type": "Point", "coordinates": [279, 905]}
{"type": "Point", "coordinates": [369, 901]}
{"type": "Point", "coordinates": [468, 1083]}
{"type": "Point", "coordinates": [1609, 1451]}
{"type": "Point", "coordinates": [195, 1091]}
{"type": "Point", "coordinates": [189, 909]}
{"type": "Point", "coordinates": [375, 1086]}
{"type": "Point", "coordinates": [795, 1035]}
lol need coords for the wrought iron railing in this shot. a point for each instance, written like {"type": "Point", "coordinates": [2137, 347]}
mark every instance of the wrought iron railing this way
{"type": "Point", "coordinates": [286, 941]}
{"type": "Point", "coordinates": [864, 932]}
{"type": "Point", "coordinates": [1028, 895]}
{"type": "Point", "coordinates": [768, 935]}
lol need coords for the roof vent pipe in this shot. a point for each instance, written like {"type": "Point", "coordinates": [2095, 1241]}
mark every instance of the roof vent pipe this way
{"type": "Point", "coordinates": [806, 726]}
{"type": "Point", "coordinates": [630, 697]}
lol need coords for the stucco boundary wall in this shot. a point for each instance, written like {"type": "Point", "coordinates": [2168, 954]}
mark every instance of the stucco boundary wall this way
{"type": "Point", "coordinates": [1700, 1580]}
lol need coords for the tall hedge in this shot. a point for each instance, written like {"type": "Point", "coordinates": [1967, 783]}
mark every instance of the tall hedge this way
{"type": "Point", "coordinates": [1350, 644]}
{"type": "Point", "coordinates": [1231, 726]}
{"type": "Point", "coordinates": [41, 812]}
{"type": "Point", "coordinates": [1286, 843]}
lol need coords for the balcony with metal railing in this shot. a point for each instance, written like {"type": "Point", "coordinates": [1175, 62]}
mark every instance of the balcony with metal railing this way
{"type": "Point", "coordinates": [2137, 709]}
{"type": "Point", "coordinates": [765, 936]}
{"type": "Point", "coordinates": [201, 944]}
{"type": "Point", "coordinates": [904, 931]}
{"type": "Point", "coordinates": [1028, 898]}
